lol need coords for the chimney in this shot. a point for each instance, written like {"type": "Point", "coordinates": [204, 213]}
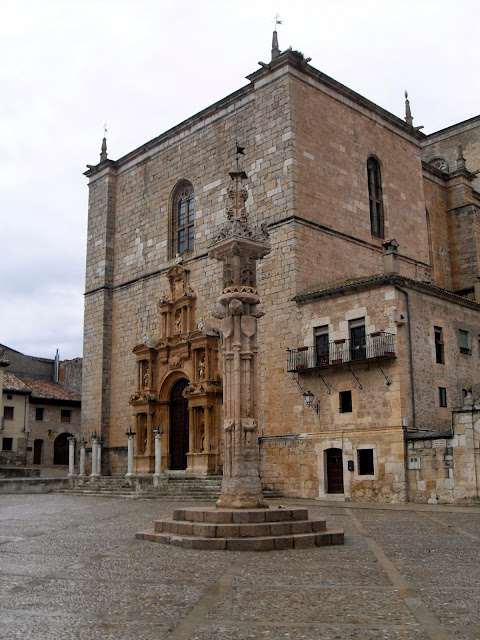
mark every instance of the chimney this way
{"type": "Point", "coordinates": [390, 256]}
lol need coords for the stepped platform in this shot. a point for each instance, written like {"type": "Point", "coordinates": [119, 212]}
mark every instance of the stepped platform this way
{"type": "Point", "coordinates": [170, 487]}
{"type": "Point", "coordinates": [277, 528]}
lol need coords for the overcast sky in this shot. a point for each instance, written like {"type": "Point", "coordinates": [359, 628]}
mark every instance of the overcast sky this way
{"type": "Point", "coordinates": [142, 66]}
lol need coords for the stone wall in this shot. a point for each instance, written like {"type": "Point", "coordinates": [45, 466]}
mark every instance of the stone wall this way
{"type": "Point", "coordinates": [444, 144]}
{"type": "Point", "coordinates": [445, 467]}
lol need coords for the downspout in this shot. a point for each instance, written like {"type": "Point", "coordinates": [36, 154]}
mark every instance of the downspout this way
{"type": "Point", "coordinates": [412, 386]}
{"type": "Point", "coordinates": [410, 353]}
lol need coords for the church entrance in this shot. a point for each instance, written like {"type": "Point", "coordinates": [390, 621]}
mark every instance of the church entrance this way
{"type": "Point", "coordinates": [334, 471]}
{"type": "Point", "coordinates": [60, 448]}
{"type": "Point", "coordinates": [179, 431]}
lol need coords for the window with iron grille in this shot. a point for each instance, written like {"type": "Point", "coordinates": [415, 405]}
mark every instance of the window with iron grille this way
{"type": "Point", "coordinates": [375, 197]}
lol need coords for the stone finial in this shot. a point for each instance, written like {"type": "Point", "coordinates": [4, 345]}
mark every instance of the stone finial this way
{"type": "Point", "coordinates": [103, 153]}
{"type": "Point", "coordinates": [408, 113]}
{"type": "Point", "coordinates": [390, 256]}
{"type": "Point", "coordinates": [275, 48]}
{"type": "Point", "coordinates": [460, 158]}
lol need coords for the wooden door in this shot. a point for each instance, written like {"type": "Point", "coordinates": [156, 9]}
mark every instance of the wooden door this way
{"type": "Point", "coordinates": [334, 471]}
{"type": "Point", "coordinates": [37, 451]}
{"type": "Point", "coordinates": [60, 449]}
{"type": "Point", "coordinates": [178, 426]}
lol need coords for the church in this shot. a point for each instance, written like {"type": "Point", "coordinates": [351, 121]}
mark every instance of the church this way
{"type": "Point", "coordinates": [369, 347]}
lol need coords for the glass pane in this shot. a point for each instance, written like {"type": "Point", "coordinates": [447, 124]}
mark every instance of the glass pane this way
{"type": "Point", "coordinates": [190, 238]}
{"type": "Point", "coordinates": [463, 338]}
{"type": "Point", "coordinates": [181, 213]}
{"type": "Point", "coordinates": [191, 209]}
{"type": "Point", "coordinates": [181, 241]}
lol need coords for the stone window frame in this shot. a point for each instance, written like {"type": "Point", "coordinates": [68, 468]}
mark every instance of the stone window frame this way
{"type": "Point", "coordinates": [344, 403]}
{"type": "Point", "coordinates": [65, 415]}
{"type": "Point", "coordinates": [375, 197]}
{"type": "Point", "coordinates": [439, 344]}
{"type": "Point", "coordinates": [442, 397]}
{"type": "Point", "coordinates": [366, 476]}
{"type": "Point", "coordinates": [183, 190]}
{"type": "Point", "coordinates": [464, 343]}
{"type": "Point", "coordinates": [39, 414]}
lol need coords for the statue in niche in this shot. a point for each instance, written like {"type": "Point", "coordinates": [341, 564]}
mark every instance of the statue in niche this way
{"type": "Point", "coordinates": [247, 276]}
{"type": "Point", "coordinates": [201, 368]}
{"type": "Point", "coordinates": [178, 322]}
{"type": "Point", "coordinates": [228, 280]}
{"type": "Point", "coordinates": [146, 375]}
{"type": "Point", "coordinates": [201, 431]}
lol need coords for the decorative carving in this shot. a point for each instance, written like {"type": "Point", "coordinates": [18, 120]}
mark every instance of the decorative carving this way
{"type": "Point", "coordinates": [201, 368]}
{"type": "Point", "coordinates": [239, 248]}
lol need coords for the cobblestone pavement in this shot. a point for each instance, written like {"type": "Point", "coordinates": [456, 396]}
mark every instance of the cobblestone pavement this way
{"type": "Point", "coordinates": [70, 568]}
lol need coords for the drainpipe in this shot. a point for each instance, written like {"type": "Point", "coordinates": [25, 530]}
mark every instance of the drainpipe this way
{"type": "Point", "coordinates": [410, 352]}
{"type": "Point", "coordinates": [412, 386]}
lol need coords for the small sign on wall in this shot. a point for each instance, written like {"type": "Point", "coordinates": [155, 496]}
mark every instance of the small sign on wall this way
{"type": "Point", "coordinates": [441, 442]}
{"type": "Point", "coordinates": [414, 462]}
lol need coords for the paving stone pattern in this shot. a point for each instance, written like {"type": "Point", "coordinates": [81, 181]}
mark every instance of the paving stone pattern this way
{"type": "Point", "coordinates": [71, 568]}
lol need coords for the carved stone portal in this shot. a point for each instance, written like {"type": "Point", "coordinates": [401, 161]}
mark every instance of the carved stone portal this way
{"type": "Point", "coordinates": [182, 353]}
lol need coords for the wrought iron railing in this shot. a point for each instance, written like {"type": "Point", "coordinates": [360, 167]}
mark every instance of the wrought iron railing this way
{"type": "Point", "coordinates": [376, 345]}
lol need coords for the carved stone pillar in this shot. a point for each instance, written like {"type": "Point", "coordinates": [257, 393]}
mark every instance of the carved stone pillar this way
{"type": "Point", "coordinates": [99, 456]}
{"type": "Point", "coordinates": [158, 456]}
{"type": "Point", "coordinates": [81, 471]}
{"type": "Point", "coordinates": [71, 455]}
{"type": "Point", "coordinates": [130, 436]}
{"type": "Point", "coordinates": [93, 472]}
{"type": "Point", "coordinates": [239, 249]}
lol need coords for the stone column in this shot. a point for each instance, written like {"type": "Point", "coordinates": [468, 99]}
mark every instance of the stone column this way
{"type": "Point", "coordinates": [71, 456]}
{"type": "Point", "coordinates": [81, 471]}
{"type": "Point", "coordinates": [239, 249]}
{"type": "Point", "coordinates": [99, 456]}
{"type": "Point", "coordinates": [94, 473]}
{"type": "Point", "coordinates": [130, 435]}
{"type": "Point", "coordinates": [158, 456]}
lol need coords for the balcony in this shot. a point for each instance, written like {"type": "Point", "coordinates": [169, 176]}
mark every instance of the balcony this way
{"type": "Point", "coordinates": [377, 345]}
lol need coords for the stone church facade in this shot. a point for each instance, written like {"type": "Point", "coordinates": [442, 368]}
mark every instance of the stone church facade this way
{"type": "Point", "coordinates": [369, 352]}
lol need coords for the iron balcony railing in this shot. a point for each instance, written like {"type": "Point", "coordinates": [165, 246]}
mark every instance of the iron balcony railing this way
{"type": "Point", "coordinates": [376, 345]}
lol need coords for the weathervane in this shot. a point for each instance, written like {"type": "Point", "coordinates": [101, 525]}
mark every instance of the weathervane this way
{"type": "Point", "coordinates": [277, 20]}
{"type": "Point", "coordinates": [240, 151]}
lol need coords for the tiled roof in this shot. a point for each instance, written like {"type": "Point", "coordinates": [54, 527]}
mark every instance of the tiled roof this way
{"type": "Point", "coordinates": [50, 390]}
{"type": "Point", "coordinates": [353, 283]}
{"type": "Point", "coordinates": [12, 383]}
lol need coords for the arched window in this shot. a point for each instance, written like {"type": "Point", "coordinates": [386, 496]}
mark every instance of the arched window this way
{"type": "Point", "coordinates": [183, 219]}
{"type": "Point", "coordinates": [375, 197]}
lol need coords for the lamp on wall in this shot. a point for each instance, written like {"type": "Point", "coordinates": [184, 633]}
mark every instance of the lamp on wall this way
{"type": "Point", "coordinates": [308, 396]}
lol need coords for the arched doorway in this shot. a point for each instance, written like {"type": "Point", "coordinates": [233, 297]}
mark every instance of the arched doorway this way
{"type": "Point", "coordinates": [334, 471]}
{"type": "Point", "coordinates": [179, 431]}
{"type": "Point", "coordinates": [60, 448]}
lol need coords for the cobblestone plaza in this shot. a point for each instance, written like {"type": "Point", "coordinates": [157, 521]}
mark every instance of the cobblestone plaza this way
{"type": "Point", "coordinates": [71, 568]}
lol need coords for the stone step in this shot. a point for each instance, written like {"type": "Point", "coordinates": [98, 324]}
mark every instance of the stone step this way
{"type": "Point", "coordinates": [264, 543]}
{"type": "Point", "coordinates": [240, 516]}
{"type": "Point", "coordinates": [252, 530]}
